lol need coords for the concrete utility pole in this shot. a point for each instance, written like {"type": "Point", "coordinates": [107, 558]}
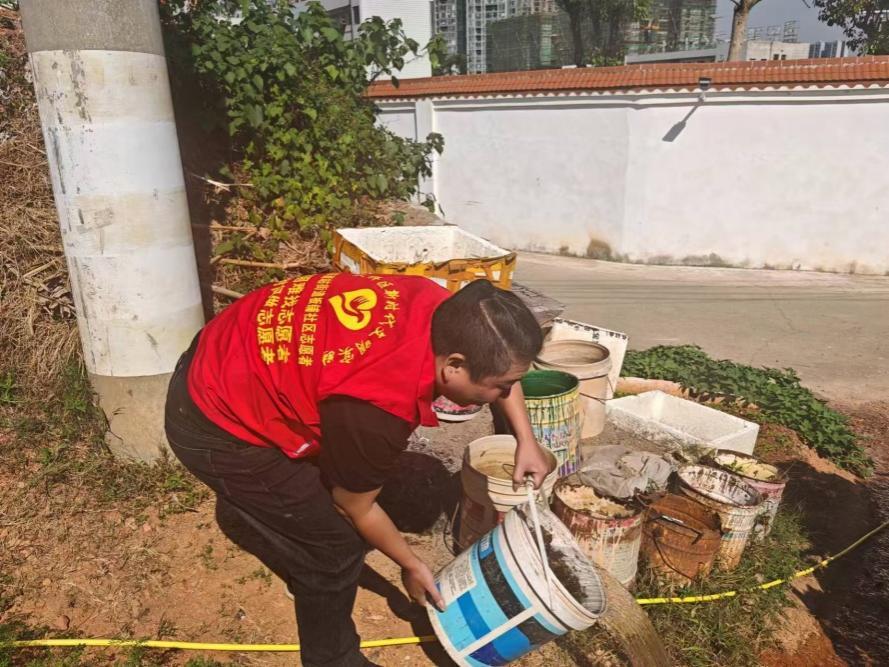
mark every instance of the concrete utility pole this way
{"type": "Point", "coordinates": [101, 81]}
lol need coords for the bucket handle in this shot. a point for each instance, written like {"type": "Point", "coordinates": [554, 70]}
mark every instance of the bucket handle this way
{"type": "Point", "coordinates": [657, 543]}
{"type": "Point", "coordinates": [698, 533]}
{"type": "Point", "coordinates": [666, 561]}
{"type": "Point", "coordinates": [603, 401]}
{"type": "Point", "coordinates": [538, 534]}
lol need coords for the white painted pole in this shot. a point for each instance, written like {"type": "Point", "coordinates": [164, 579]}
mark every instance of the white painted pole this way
{"type": "Point", "coordinates": [104, 97]}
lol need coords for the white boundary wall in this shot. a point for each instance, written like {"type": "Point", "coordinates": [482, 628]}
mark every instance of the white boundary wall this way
{"type": "Point", "coordinates": [784, 178]}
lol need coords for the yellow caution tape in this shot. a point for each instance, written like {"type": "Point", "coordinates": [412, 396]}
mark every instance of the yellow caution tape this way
{"type": "Point", "coordinates": [202, 646]}
{"type": "Point", "coordinates": [402, 641]}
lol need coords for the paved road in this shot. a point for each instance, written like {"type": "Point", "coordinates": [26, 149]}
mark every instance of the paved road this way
{"type": "Point", "coordinates": [831, 328]}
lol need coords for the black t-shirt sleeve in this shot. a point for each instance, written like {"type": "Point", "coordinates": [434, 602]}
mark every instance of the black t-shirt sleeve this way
{"type": "Point", "coordinates": [359, 443]}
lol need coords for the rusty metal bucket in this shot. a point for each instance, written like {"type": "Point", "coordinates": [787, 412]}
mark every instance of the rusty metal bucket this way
{"type": "Point", "coordinates": [737, 503]}
{"type": "Point", "coordinates": [680, 538]}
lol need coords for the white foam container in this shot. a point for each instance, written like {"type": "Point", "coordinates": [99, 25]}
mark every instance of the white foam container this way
{"type": "Point", "coordinates": [674, 421]}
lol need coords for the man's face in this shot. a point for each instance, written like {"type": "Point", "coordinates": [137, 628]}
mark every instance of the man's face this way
{"type": "Point", "coordinates": [456, 385]}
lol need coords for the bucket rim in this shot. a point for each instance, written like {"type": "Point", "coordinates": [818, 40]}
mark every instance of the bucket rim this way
{"type": "Point", "coordinates": [753, 493]}
{"type": "Point", "coordinates": [672, 503]}
{"type": "Point", "coordinates": [575, 605]}
{"type": "Point", "coordinates": [699, 531]}
{"type": "Point", "coordinates": [780, 479]}
{"type": "Point", "coordinates": [565, 342]}
{"type": "Point", "coordinates": [571, 382]}
{"type": "Point", "coordinates": [508, 441]}
{"type": "Point", "coordinates": [631, 505]}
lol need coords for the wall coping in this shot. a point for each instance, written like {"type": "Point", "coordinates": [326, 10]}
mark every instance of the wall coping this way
{"type": "Point", "coordinates": [840, 73]}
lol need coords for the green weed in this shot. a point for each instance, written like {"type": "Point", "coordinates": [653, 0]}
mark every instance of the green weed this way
{"type": "Point", "coordinates": [207, 557]}
{"type": "Point", "coordinates": [60, 441]}
{"type": "Point", "coordinates": [8, 389]}
{"type": "Point", "coordinates": [14, 630]}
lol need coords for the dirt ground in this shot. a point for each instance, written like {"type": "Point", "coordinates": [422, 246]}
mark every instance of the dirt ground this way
{"type": "Point", "coordinates": [854, 604]}
{"type": "Point", "coordinates": [81, 571]}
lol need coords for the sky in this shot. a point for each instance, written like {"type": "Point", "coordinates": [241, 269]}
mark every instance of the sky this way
{"type": "Point", "coordinates": [773, 12]}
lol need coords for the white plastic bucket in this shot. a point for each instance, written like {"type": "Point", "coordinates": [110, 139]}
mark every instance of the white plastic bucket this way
{"type": "Point", "coordinates": [498, 600]}
{"type": "Point", "coordinates": [486, 478]}
{"type": "Point", "coordinates": [591, 364]}
{"type": "Point", "coordinates": [615, 341]}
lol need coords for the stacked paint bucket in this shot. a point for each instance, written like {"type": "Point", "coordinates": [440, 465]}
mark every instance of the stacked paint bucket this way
{"type": "Point", "coordinates": [590, 363]}
{"type": "Point", "coordinates": [609, 531]}
{"type": "Point", "coordinates": [488, 494]}
{"type": "Point", "coordinates": [765, 478]}
{"type": "Point", "coordinates": [552, 400]}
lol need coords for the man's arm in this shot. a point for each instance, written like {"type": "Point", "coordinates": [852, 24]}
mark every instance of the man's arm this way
{"type": "Point", "coordinates": [375, 526]}
{"type": "Point", "coordinates": [361, 444]}
{"type": "Point", "coordinates": [529, 457]}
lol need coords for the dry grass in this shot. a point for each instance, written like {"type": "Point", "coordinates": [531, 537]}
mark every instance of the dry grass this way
{"type": "Point", "coordinates": [38, 335]}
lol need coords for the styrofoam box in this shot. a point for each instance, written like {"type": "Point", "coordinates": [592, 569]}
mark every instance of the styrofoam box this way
{"type": "Point", "coordinates": [412, 245]}
{"type": "Point", "coordinates": [667, 419]}
{"type": "Point", "coordinates": [614, 341]}
{"type": "Point", "coordinates": [431, 245]}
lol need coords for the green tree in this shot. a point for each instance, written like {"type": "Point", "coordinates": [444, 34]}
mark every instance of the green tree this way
{"type": "Point", "coordinates": [290, 92]}
{"type": "Point", "coordinates": [865, 22]}
{"type": "Point", "coordinates": [575, 11]}
{"type": "Point", "coordinates": [609, 19]}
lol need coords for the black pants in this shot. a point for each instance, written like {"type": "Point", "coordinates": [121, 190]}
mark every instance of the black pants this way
{"type": "Point", "coordinates": [284, 501]}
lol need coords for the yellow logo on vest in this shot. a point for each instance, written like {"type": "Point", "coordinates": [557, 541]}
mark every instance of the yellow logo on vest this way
{"type": "Point", "coordinates": [354, 309]}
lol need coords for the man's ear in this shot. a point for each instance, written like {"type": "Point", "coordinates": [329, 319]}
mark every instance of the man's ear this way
{"type": "Point", "coordinates": [455, 361]}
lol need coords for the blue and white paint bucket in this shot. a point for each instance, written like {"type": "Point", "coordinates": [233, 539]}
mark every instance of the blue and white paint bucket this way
{"type": "Point", "coordinates": [499, 604]}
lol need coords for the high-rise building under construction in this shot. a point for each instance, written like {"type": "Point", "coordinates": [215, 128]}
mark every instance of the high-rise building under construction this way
{"type": "Point", "coordinates": [503, 35]}
{"type": "Point", "coordinates": [674, 25]}
{"type": "Point", "coordinates": [464, 24]}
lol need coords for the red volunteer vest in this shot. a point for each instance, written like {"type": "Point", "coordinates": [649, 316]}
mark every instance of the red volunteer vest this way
{"type": "Point", "coordinates": [263, 365]}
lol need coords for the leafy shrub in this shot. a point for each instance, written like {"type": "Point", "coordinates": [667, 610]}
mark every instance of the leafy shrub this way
{"type": "Point", "coordinates": [290, 90]}
{"type": "Point", "coordinates": [776, 392]}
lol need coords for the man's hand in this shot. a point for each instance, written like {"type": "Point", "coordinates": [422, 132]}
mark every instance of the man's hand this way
{"type": "Point", "coordinates": [419, 582]}
{"type": "Point", "coordinates": [530, 459]}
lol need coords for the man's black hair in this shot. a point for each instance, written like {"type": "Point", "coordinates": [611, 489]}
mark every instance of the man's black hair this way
{"type": "Point", "coordinates": [489, 326]}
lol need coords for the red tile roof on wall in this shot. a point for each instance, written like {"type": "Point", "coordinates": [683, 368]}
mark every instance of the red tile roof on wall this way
{"type": "Point", "coordinates": [817, 72]}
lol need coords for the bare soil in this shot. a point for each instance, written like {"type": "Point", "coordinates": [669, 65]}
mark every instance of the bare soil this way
{"type": "Point", "coordinates": [853, 603]}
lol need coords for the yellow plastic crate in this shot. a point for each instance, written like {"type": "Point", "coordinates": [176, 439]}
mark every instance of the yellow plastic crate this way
{"type": "Point", "coordinates": [447, 254]}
